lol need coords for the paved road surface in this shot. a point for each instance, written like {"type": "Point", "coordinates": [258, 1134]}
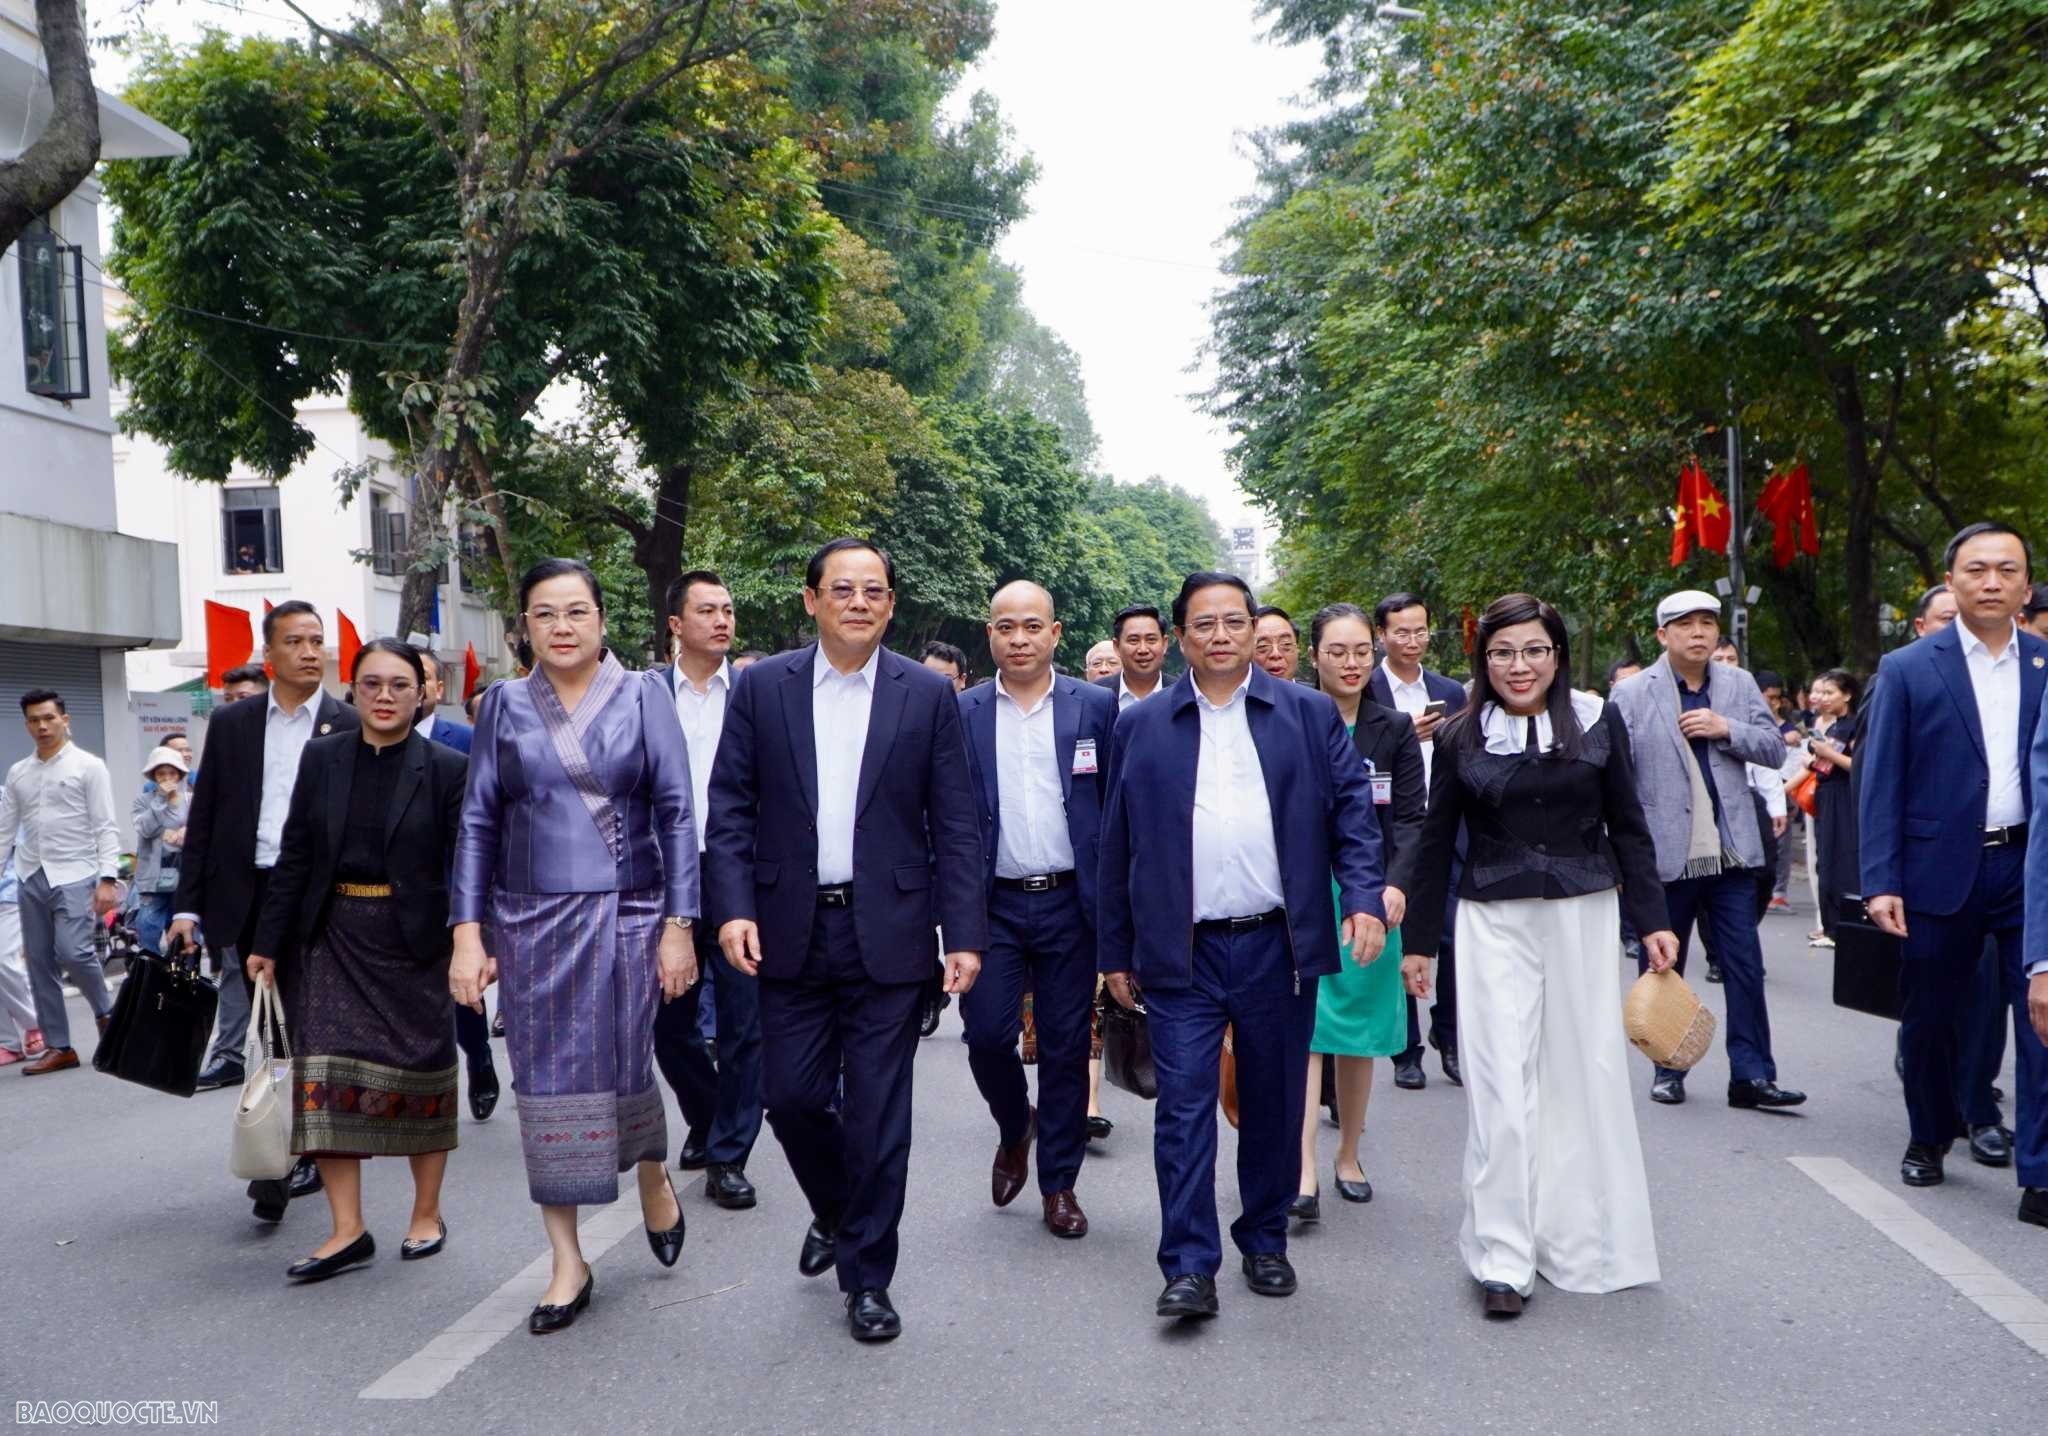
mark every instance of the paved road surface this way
{"type": "Point", "coordinates": [136, 1273]}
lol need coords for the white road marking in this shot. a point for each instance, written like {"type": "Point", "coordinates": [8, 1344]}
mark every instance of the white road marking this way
{"type": "Point", "coordinates": [2004, 1300]}
{"type": "Point", "coordinates": [504, 1311]}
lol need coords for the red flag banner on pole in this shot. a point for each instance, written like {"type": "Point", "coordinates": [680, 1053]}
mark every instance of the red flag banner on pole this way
{"type": "Point", "coordinates": [229, 640]}
{"type": "Point", "coordinates": [1468, 628]}
{"type": "Point", "coordinates": [471, 671]}
{"type": "Point", "coordinates": [349, 646]}
{"type": "Point", "coordinates": [1703, 516]}
{"type": "Point", "coordinates": [1787, 501]}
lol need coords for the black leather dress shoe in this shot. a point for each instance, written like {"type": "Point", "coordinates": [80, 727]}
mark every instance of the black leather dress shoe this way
{"type": "Point", "coordinates": [1452, 1073]}
{"type": "Point", "coordinates": [410, 1250]}
{"type": "Point", "coordinates": [270, 1196]}
{"type": "Point", "coordinates": [1669, 1089]}
{"type": "Point", "coordinates": [1350, 1191]}
{"type": "Point", "coordinates": [1269, 1274]}
{"type": "Point", "coordinates": [695, 1156]}
{"type": "Point", "coordinates": [2034, 1206]}
{"type": "Point", "coordinates": [1188, 1297]}
{"type": "Point", "coordinates": [1921, 1166]}
{"type": "Point", "coordinates": [356, 1253]}
{"type": "Point", "coordinates": [1713, 970]}
{"type": "Point", "coordinates": [727, 1185]}
{"type": "Point", "coordinates": [667, 1245]}
{"type": "Point", "coordinates": [934, 1003]}
{"type": "Point", "coordinates": [545, 1319]}
{"type": "Point", "coordinates": [1408, 1074]}
{"type": "Point", "coordinates": [483, 1092]}
{"type": "Point", "coordinates": [1099, 1129]}
{"type": "Point", "coordinates": [870, 1317]}
{"type": "Point", "coordinates": [1762, 1092]}
{"type": "Point", "coordinates": [1306, 1209]}
{"type": "Point", "coordinates": [1500, 1299]}
{"type": "Point", "coordinates": [820, 1253]}
{"type": "Point", "coordinates": [1991, 1146]}
{"type": "Point", "coordinates": [220, 1073]}
{"type": "Point", "coordinates": [498, 1023]}
{"type": "Point", "coordinates": [305, 1178]}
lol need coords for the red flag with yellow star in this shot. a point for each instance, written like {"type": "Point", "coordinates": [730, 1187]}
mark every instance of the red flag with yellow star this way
{"type": "Point", "coordinates": [1703, 516]}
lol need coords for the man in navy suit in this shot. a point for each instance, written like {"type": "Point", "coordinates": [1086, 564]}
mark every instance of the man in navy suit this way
{"type": "Point", "coordinates": [1038, 747]}
{"type": "Point", "coordinates": [434, 724]}
{"type": "Point", "coordinates": [1233, 800]}
{"type": "Point", "coordinates": [1401, 622]}
{"type": "Point", "coordinates": [1943, 824]}
{"type": "Point", "coordinates": [472, 1031]}
{"type": "Point", "coordinates": [841, 831]}
{"type": "Point", "coordinates": [1140, 640]}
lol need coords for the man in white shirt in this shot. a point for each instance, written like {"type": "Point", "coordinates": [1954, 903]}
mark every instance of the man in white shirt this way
{"type": "Point", "coordinates": [721, 1102]}
{"type": "Point", "coordinates": [1141, 649]}
{"type": "Point", "coordinates": [57, 822]}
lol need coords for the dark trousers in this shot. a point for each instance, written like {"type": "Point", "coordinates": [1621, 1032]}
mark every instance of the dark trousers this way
{"type": "Point", "coordinates": [1247, 980]}
{"type": "Point", "coordinates": [1728, 901]}
{"type": "Point", "coordinates": [722, 1099]}
{"type": "Point", "coordinates": [1443, 1013]}
{"type": "Point", "coordinates": [1040, 941]}
{"type": "Point", "coordinates": [473, 1036]}
{"type": "Point", "coordinates": [1937, 987]}
{"type": "Point", "coordinates": [854, 1165]}
{"type": "Point", "coordinates": [1981, 1043]}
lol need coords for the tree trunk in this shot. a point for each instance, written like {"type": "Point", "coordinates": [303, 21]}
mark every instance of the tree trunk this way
{"type": "Point", "coordinates": [658, 548]}
{"type": "Point", "coordinates": [1859, 555]}
{"type": "Point", "coordinates": [64, 154]}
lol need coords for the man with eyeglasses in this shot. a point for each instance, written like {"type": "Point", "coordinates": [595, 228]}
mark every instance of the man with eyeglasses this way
{"type": "Point", "coordinates": [1695, 727]}
{"type": "Point", "coordinates": [1276, 643]}
{"type": "Point", "coordinates": [1140, 639]}
{"type": "Point", "coordinates": [1232, 803]}
{"type": "Point", "coordinates": [1401, 623]}
{"type": "Point", "coordinates": [842, 830]}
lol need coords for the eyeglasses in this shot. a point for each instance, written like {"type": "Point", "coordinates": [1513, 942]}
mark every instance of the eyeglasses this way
{"type": "Point", "coordinates": [842, 593]}
{"type": "Point", "coordinates": [1534, 655]}
{"type": "Point", "coordinates": [577, 614]}
{"type": "Point", "coordinates": [1409, 635]}
{"type": "Point", "coordinates": [1361, 654]}
{"type": "Point", "coordinates": [1235, 625]}
{"type": "Point", "coordinates": [378, 687]}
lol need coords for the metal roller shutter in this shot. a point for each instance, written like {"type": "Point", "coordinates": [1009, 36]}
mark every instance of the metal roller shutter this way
{"type": "Point", "coordinates": [73, 672]}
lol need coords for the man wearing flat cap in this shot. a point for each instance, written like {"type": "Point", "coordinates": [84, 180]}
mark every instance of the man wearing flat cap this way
{"type": "Point", "coordinates": [1695, 725]}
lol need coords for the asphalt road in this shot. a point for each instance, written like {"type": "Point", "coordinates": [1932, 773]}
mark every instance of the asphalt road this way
{"type": "Point", "coordinates": [135, 1272]}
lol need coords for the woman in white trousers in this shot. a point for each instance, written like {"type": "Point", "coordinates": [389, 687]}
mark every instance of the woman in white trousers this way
{"type": "Point", "coordinates": [1556, 849]}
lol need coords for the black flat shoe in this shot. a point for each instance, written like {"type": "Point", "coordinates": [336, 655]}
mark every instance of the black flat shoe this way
{"type": "Point", "coordinates": [1408, 1074]}
{"type": "Point", "coordinates": [695, 1156]}
{"type": "Point", "coordinates": [668, 1245]}
{"type": "Point", "coordinates": [483, 1093]}
{"type": "Point", "coordinates": [1762, 1092]}
{"type": "Point", "coordinates": [1269, 1274]}
{"type": "Point", "coordinates": [1713, 971]}
{"type": "Point", "coordinates": [1500, 1299]}
{"type": "Point", "coordinates": [1188, 1297]}
{"type": "Point", "coordinates": [1668, 1090]}
{"type": "Point", "coordinates": [1449, 1058]}
{"type": "Point", "coordinates": [820, 1253]}
{"type": "Point", "coordinates": [1991, 1146]}
{"type": "Point", "coordinates": [410, 1250]}
{"type": "Point", "coordinates": [547, 1319]}
{"type": "Point", "coordinates": [728, 1186]}
{"type": "Point", "coordinates": [498, 1023]}
{"type": "Point", "coordinates": [870, 1317]}
{"type": "Point", "coordinates": [1099, 1129]}
{"type": "Point", "coordinates": [1306, 1209]}
{"type": "Point", "coordinates": [1350, 1191]}
{"type": "Point", "coordinates": [305, 1178]}
{"type": "Point", "coordinates": [356, 1253]}
{"type": "Point", "coordinates": [1921, 1166]}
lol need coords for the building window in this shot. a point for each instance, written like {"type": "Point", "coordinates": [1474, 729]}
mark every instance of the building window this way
{"type": "Point", "coordinates": [387, 535]}
{"type": "Point", "coordinates": [479, 551]}
{"type": "Point", "coordinates": [252, 540]}
{"type": "Point", "coordinates": [53, 314]}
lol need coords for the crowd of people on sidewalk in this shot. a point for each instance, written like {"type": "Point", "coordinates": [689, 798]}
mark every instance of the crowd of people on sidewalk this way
{"type": "Point", "coordinates": [760, 877]}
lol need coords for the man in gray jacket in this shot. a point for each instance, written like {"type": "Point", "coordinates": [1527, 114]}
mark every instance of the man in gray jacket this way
{"type": "Point", "coordinates": [1695, 725]}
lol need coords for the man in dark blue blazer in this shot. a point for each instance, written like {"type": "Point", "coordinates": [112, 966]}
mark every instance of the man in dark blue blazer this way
{"type": "Point", "coordinates": [1944, 763]}
{"type": "Point", "coordinates": [1038, 747]}
{"type": "Point", "coordinates": [472, 1029]}
{"type": "Point", "coordinates": [1234, 799]}
{"type": "Point", "coordinates": [434, 724]}
{"type": "Point", "coordinates": [841, 831]}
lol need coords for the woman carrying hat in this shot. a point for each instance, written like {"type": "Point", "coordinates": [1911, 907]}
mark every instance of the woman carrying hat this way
{"type": "Point", "coordinates": [159, 815]}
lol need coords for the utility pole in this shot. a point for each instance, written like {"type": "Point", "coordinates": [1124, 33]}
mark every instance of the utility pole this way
{"type": "Point", "coordinates": [1735, 587]}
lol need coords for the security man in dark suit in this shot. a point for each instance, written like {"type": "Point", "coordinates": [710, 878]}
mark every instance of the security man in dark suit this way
{"type": "Point", "coordinates": [1944, 832]}
{"type": "Point", "coordinates": [1038, 747]}
{"type": "Point", "coordinates": [842, 829]}
{"type": "Point", "coordinates": [472, 1030]}
{"type": "Point", "coordinates": [1140, 639]}
{"type": "Point", "coordinates": [1232, 802]}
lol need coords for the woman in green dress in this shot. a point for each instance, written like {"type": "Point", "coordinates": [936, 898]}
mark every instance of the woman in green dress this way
{"type": "Point", "coordinates": [1361, 1012]}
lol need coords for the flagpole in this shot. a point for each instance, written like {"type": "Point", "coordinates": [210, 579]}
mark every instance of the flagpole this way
{"type": "Point", "coordinates": [1738, 621]}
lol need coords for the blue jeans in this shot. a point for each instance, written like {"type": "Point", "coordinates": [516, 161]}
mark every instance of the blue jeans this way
{"type": "Point", "coordinates": [151, 918]}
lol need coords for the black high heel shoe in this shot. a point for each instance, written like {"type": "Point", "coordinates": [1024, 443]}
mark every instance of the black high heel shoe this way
{"type": "Point", "coordinates": [668, 1245]}
{"type": "Point", "coordinates": [547, 1319]}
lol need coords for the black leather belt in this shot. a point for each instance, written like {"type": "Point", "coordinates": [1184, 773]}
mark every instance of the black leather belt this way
{"type": "Point", "coordinates": [1044, 883]}
{"type": "Point", "coordinates": [1240, 924]}
{"type": "Point", "coordinates": [838, 896]}
{"type": "Point", "coordinates": [2006, 836]}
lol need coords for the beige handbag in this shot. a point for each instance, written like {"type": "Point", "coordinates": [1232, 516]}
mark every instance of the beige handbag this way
{"type": "Point", "coordinates": [262, 1145]}
{"type": "Point", "coordinates": [1666, 1021]}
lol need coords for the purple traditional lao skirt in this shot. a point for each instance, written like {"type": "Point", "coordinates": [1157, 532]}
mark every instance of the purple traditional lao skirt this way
{"type": "Point", "coordinates": [579, 986]}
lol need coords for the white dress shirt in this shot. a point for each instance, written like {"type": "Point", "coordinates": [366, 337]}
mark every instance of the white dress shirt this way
{"type": "Point", "coordinates": [285, 737]}
{"type": "Point", "coordinates": [1125, 698]}
{"type": "Point", "coordinates": [1996, 682]}
{"type": "Point", "coordinates": [57, 818]}
{"type": "Point", "coordinates": [1031, 800]}
{"type": "Point", "coordinates": [840, 705]}
{"type": "Point", "coordinates": [703, 718]}
{"type": "Point", "coordinates": [425, 727]}
{"type": "Point", "coordinates": [1237, 859]}
{"type": "Point", "coordinates": [1412, 698]}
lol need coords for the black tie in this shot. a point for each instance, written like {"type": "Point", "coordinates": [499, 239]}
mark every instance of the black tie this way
{"type": "Point", "coordinates": [1533, 745]}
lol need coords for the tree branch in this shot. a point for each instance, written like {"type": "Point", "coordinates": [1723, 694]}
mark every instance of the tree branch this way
{"type": "Point", "coordinates": [37, 180]}
{"type": "Point", "coordinates": [390, 70]}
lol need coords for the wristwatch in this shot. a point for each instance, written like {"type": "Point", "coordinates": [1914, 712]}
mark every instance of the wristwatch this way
{"type": "Point", "coordinates": [682, 924]}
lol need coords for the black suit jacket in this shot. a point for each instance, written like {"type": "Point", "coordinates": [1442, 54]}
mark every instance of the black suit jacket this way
{"type": "Point", "coordinates": [1385, 738]}
{"type": "Point", "coordinates": [217, 876]}
{"type": "Point", "coordinates": [419, 845]}
{"type": "Point", "coordinates": [1380, 689]}
{"type": "Point", "coordinates": [917, 857]}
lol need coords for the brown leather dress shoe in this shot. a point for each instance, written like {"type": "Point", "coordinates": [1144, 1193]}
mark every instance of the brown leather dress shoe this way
{"type": "Point", "coordinates": [1012, 1166]}
{"type": "Point", "coordinates": [56, 1059]}
{"type": "Point", "coordinates": [1064, 1215]}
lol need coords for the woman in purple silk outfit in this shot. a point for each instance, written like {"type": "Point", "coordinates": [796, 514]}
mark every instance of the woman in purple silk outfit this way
{"type": "Point", "coordinates": [578, 858]}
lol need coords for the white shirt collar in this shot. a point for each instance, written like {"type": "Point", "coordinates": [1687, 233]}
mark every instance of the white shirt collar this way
{"type": "Point", "coordinates": [1043, 698]}
{"type": "Point", "coordinates": [1229, 703]}
{"type": "Point", "coordinates": [66, 747]}
{"type": "Point", "coordinates": [306, 709]}
{"type": "Point", "coordinates": [1507, 733]}
{"type": "Point", "coordinates": [822, 669]}
{"type": "Point", "coordinates": [1972, 643]}
{"type": "Point", "coordinates": [1397, 684]}
{"type": "Point", "coordinates": [679, 681]}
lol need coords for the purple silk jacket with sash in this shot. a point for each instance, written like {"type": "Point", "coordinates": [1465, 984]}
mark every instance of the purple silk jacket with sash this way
{"type": "Point", "coordinates": [526, 826]}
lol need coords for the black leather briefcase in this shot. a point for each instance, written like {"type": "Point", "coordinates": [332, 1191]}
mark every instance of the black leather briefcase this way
{"type": "Point", "coordinates": [161, 1023]}
{"type": "Point", "coordinates": [1127, 1049]}
{"type": "Point", "coordinates": [1867, 960]}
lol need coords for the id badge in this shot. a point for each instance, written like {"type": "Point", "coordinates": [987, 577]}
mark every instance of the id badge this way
{"type": "Point", "coordinates": [1084, 756]}
{"type": "Point", "coordinates": [1382, 788]}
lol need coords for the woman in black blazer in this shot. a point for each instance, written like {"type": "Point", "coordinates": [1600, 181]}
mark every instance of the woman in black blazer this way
{"type": "Point", "coordinates": [355, 926]}
{"type": "Point", "coordinates": [1361, 1013]}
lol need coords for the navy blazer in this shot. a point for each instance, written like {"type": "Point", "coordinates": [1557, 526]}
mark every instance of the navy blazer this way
{"type": "Point", "coordinates": [451, 733]}
{"type": "Point", "coordinates": [917, 856]}
{"type": "Point", "coordinates": [1922, 773]}
{"type": "Point", "coordinates": [1323, 824]}
{"type": "Point", "coordinates": [1079, 710]}
{"type": "Point", "coordinates": [1380, 689]}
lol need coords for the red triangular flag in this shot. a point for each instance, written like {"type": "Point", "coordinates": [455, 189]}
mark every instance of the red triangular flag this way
{"type": "Point", "coordinates": [350, 645]}
{"type": "Point", "coordinates": [229, 640]}
{"type": "Point", "coordinates": [268, 605]}
{"type": "Point", "coordinates": [471, 671]}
